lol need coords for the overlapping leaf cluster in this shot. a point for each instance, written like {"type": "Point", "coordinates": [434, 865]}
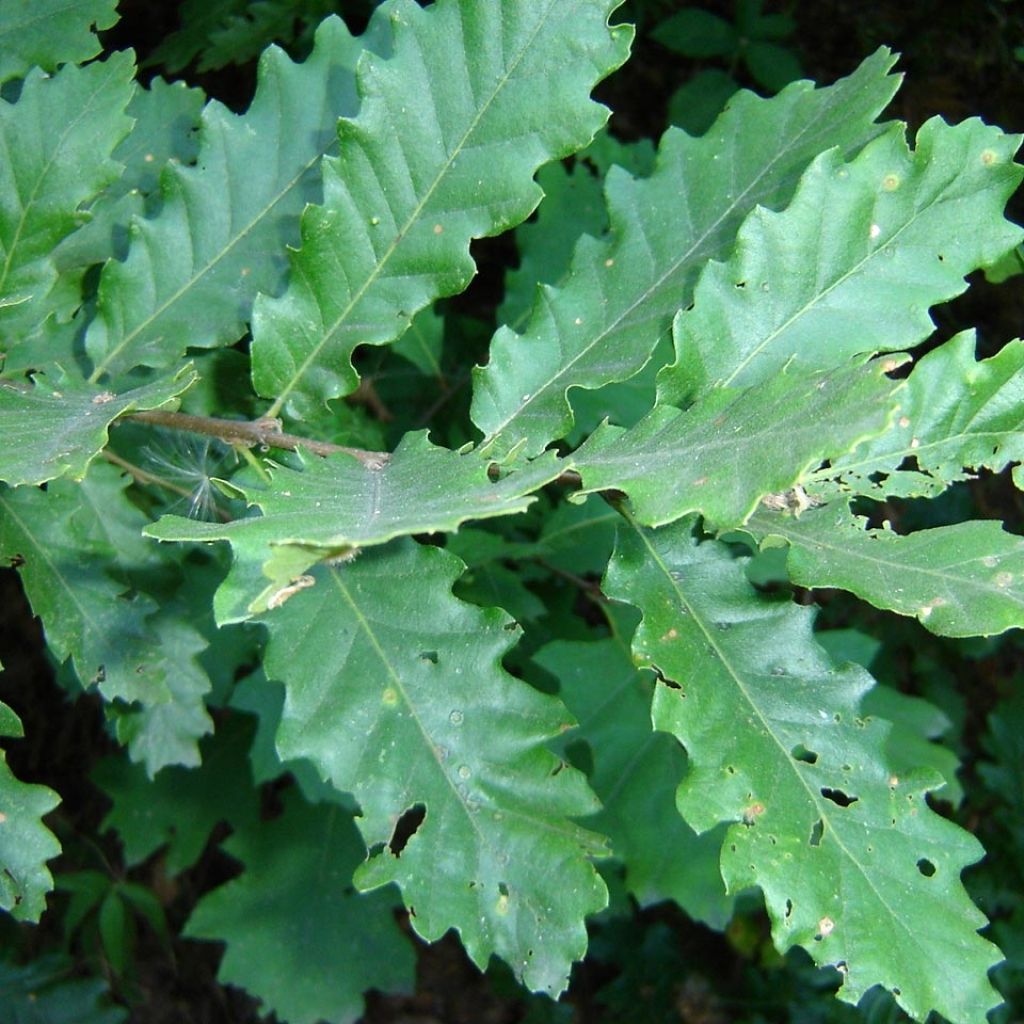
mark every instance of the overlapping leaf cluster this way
{"type": "Point", "coordinates": [738, 306]}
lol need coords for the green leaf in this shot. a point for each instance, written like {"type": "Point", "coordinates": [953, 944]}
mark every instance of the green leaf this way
{"type": "Point", "coordinates": [696, 33]}
{"type": "Point", "coordinates": [395, 691]}
{"type": "Point", "coordinates": [885, 238]}
{"type": "Point", "coordinates": [48, 33]}
{"type": "Point", "coordinates": [852, 861]}
{"type": "Point", "coordinates": [56, 426]}
{"type": "Point", "coordinates": [623, 291]}
{"type": "Point", "coordinates": [193, 269]}
{"type": "Point", "coordinates": [636, 772]}
{"type": "Point", "coordinates": [167, 733]}
{"type": "Point", "coordinates": [58, 139]}
{"type": "Point", "coordinates": [180, 807]}
{"type": "Point", "coordinates": [452, 128]}
{"type": "Point", "coordinates": [339, 504]}
{"type": "Point", "coordinates": [48, 990]}
{"type": "Point", "coordinates": [960, 580]}
{"type": "Point", "coordinates": [62, 542]}
{"type": "Point", "coordinates": [114, 928]}
{"type": "Point", "coordinates": [26, 844]}
{"type": "Point", "coordinates": [737, 445]}
{"type": "Point", "coordinates": [956, 412]}
{"type": "Point", "coordinates": [199, 20]}
{"type": "Point", "coordinates": [573, 205]}
{"type": "Point", "coordinates": [298, 937]}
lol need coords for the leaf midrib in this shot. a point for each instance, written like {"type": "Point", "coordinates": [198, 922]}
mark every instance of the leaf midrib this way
{"type": "Point", "coordinates": [413, 217]}
{"type": "Point", "coordinates": [673, 268]}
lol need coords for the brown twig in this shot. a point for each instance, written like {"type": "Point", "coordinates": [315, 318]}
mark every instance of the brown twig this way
{"type": "Point", "coordinates": [265, 432]}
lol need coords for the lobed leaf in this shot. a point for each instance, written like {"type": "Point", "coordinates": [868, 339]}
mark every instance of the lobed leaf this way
{"type": "Point", "coordinates": [193, 269]}
{"type": "Point", "coordinates": [636, 772]}
{"type": "Point", "coordinates": [48, 33]}
{"type": "Point", "coordinates": [956, 412]}
{"type": "Point", "coordinates": [55, 429]}
{"type": "Point", "coordinates": [69, 547]}
{"type": "Point", "coordinates": [178, 809]}
{"type": "Point", "coordinates": [451, 129]}
{"type": "Point", "coordinates": [395, 692]}
{"type": "Point", "coordinates": [339, 504]}
{"type": "Point", "coordinates": [852, 861]}
{"type": "Point", "coordinates": [737, 445]}
{"type": "Point", "coordinates": [166, 117]}
{"type": "Point", "coordinates": [622, 292]}
{"type": "Point", "coordinates": [26, 844]}
{"type": "Point", "coordinates": [960, 580]}
{"type": "Point", "coordinates": [853, 264]}
{"type": "Point", "coordinates": [57, 141]}
{"type": "Point", "coordinates": [298, 937]}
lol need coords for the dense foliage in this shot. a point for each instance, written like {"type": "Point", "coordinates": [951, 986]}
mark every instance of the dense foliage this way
{"type": "Point", "coordinates": [427, 646]}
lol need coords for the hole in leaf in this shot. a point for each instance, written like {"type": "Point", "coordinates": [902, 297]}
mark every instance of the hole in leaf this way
{"type": "Point", "coordinates": [926, 867]}
{"type": "Point", "coordinates": [430, 656]}
{"type": "Point", "coordinates": [741, 284]}
{"type": "Point", "coordinates": [837, 796]}
{"type": "Point", "coordinates": [801, 753]}
{"type": "Point", "coordinates": [405, 828]}
{"type": "Point", "coordinates": [789, 908]}
{"type": "Point", "coordinates": [817, 832]}
{"type": "Point", "coordinates": [558, 767]}
{"type": "Point", "coordinates": [502, 888]}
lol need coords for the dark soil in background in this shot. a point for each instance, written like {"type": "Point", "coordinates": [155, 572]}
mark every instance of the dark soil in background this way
{"type": "Point", "coordinates": [959, 62]}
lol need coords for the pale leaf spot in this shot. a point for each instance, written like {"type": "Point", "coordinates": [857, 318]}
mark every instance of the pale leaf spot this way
{"type": "Point", "coordinates": [915, 442]}
{"type": "Point", "coordinates": [904, 421]}
{"type": "Point", "coordinates": [875, 231]}
{"type": "Point", "coordinates": [1003, 579]}
{"type": "Point", "coordinates": [891, 182]}
{"type": "Point", "coordinates": [989, 157]}
{"type": "Point", "coordinates": [103, 397]}
{"type": "Point", "coordinates": [825, 927]}
{"type": "Point", "coordinates": [279, 597]}
{"type": "Point", "coordinates": [438, 229]}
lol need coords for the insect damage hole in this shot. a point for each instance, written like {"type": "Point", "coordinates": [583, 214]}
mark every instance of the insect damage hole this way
{"type": "Point", "coordinates": [837, 796]}
{"type": "Point", "coordinates": [926, 867]}
{"type": "Point", "coordinates": [406, 827]}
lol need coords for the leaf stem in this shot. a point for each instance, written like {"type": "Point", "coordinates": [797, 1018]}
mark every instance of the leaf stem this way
{"type": "Point", "coordinates": [265, 432]}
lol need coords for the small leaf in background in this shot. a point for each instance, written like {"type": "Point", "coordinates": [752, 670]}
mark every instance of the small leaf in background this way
{"type": "Point", "coordinates": [49, 990]}
{"type": "Point", "coordinates": [180, 807]}
{"type": "Point", "coordinates": [636, 773]}
{"type": "Point", "coordinates": [299, 937]}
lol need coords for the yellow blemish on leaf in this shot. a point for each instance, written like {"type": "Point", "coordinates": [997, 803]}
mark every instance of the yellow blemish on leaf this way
{"type": "Point", "coordinates": [438, 229]}
{"type": "Point", "coordinates": [279, 597]}
{"type": "Point", "coordinates": [502, 905]}
{"type": "Point", "coordinates": [891, 182]}
{"type": "Point", "coordinates": [753, 812]}
{"type": "Point", "coordinates": [103, 397]}
{"type": "Point", "coordinates": [904, 421]}
{"type": "Point", "coordinates": [825, 927]}
{"type": "Point", "coordinates": [1003, 579]}
{"type": "Point", "coordinates": [390, 697]}
{"type": "Point", "coordinates": [989, 157]}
